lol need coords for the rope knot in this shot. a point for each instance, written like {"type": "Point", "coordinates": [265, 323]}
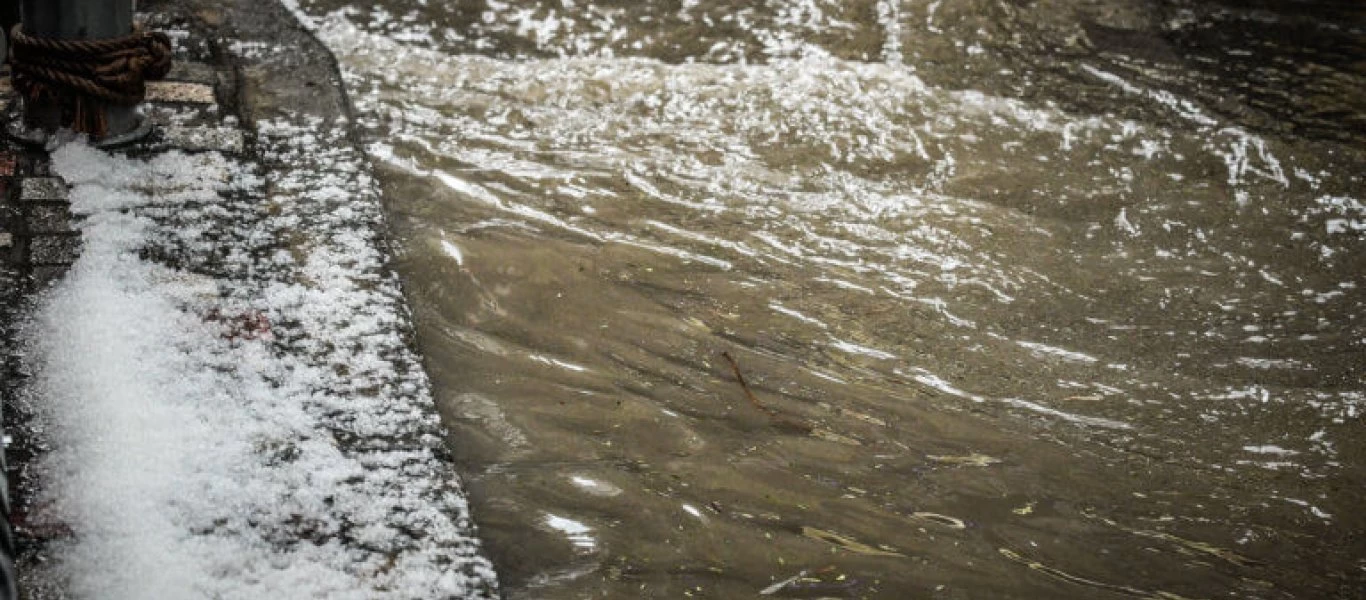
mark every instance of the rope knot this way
{"type": "Point", "coordinates": [87, 76]}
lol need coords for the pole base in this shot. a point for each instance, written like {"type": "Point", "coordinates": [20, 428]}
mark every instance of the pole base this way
{"type": "Point", "coordinates": [42, 138]}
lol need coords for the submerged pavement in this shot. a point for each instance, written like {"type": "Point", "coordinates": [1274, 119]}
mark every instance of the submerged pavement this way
{"type": "Point", "coordinates": [216, 395]}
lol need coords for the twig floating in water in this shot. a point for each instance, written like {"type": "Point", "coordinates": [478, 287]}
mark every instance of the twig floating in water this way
{"type": "Point", "coordinates": [735, 368]}
{"type": "Point", "coordinates": [772, 414]}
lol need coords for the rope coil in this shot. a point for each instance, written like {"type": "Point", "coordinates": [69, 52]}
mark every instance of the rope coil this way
{"type": "Point", "coordinates": [88, 75]}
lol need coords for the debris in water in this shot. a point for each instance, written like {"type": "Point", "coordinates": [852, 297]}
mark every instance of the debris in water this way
{"type": "Point", "coordinates": [847, 543]}
{"type": "Point", "coordinates": [775, 588]}
{"type": "Point", "coordinates": [778, 420]}
{"type": "Point", "coordinates": [1210, 549]}
{"type": "Point", "coordinates": [938, 519]}
{"type": "Point", "coordinates": [817, 583]}
{"type": "Point", "coordinates": [1061, 575]}
{"type": "Point", "coordinates": [970, 460]}
{"type": "Point", "coordinates": [865, 417]}
{"type": "Point", "coordinates": [830, 436]}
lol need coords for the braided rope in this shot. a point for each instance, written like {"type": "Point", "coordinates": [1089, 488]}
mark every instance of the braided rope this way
{"type": "Point", "coordinates": [88, 74]}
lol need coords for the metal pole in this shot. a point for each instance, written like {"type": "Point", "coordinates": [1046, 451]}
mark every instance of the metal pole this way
{"type": "Point", "coordinates": [9, 16]}
{"type": "Point", "coordinates": [79, 20]}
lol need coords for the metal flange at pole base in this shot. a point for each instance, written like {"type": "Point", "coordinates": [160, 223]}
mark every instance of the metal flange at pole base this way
{"type": "Point", "coordinates": [41, 138]}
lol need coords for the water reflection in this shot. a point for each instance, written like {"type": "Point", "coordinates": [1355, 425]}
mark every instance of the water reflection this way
{"type": "Point", "coordinates": [578, 534]}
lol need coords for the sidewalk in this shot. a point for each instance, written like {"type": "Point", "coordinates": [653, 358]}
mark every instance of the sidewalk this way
{"type": "Point", "coordinates": [212, 389]}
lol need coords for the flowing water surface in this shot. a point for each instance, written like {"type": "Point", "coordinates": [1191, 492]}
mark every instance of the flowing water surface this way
{"type": "Point", "coordinates": [1044, 299]}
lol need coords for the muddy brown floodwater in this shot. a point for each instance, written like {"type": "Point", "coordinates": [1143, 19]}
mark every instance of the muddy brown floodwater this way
{"type": "Point", "coordinates": [1032, 299]}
